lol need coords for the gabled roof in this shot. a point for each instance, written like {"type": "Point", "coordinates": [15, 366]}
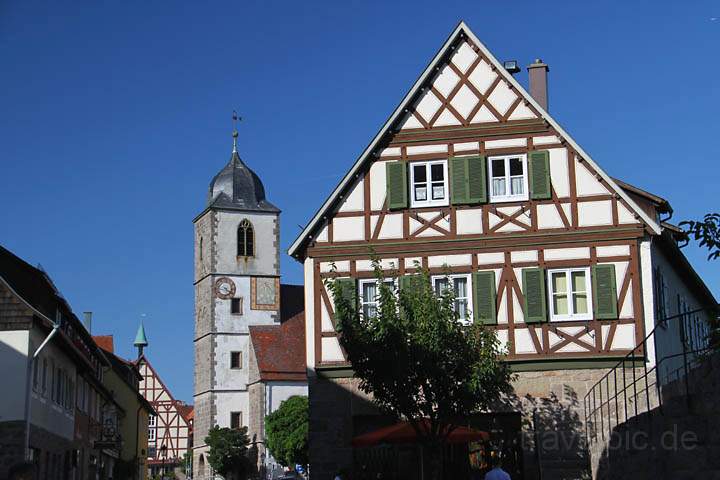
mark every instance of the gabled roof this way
{"type": "Point", "coordinates": [280, 349]}
{"type": "Point", "coordinates": [105, 342]}
{"type": "Point", "coordinates": [460, 30]}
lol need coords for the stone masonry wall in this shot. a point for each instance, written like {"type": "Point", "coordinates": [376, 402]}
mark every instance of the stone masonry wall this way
{"type": "Point", "coordinates": [679, 440]}
{"type": "Point", "coordinates": [551, 404]}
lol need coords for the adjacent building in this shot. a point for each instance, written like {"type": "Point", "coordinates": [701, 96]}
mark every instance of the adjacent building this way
{"type": "Point", "coordinates": [276, 373]}
{"type": "Point", "coordinates": [123, 378]}
{"type": "Point", "coordinates": [237, 286]}
{"type": "Point", "coordinates": [472, 179]}
{"type": "Point", "coordinates": [169, 433]}
{"type": "Point", "coordinates": [56, 410]}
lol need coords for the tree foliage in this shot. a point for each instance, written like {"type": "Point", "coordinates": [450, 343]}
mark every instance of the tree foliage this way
{"type": "Point", "coordinates": [287, 431]}
{"type": "Point", "coordinates": [229, 451]}
{"type": "Point", "coordinates": [417, 359]}
{"type": "Point", "coordinates": [707, 232]}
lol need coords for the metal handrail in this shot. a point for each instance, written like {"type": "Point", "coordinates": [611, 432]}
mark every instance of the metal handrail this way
{"type": "Point", "coordinates": [594, 405]}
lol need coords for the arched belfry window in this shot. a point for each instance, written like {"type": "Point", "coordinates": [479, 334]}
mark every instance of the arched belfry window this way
{"type": "Point", "coordinates": [245, 239]}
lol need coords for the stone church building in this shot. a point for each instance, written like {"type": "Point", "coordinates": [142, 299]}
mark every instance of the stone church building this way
{"type": "Point", "coordinates": [237, 287]}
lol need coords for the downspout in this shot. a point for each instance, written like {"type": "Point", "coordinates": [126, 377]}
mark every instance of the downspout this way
{"type": "Point", "coordinates": [137, 441]}
{"type": "Point", "coordinates": [28, 386]}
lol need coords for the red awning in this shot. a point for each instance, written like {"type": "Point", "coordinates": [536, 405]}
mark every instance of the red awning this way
{"type": "Point", "coordinates": [403, 432]}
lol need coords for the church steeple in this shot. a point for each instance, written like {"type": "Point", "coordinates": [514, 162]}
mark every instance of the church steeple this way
{"type": "Point", "coordinates": [140, 340]}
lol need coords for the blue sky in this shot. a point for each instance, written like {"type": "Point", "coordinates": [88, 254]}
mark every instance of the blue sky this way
{"type": "Point", "coordinates": [116, 115]}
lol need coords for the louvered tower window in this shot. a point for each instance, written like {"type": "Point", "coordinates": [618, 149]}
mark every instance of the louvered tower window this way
{"type": "Point", "coordinates": [246, 239]}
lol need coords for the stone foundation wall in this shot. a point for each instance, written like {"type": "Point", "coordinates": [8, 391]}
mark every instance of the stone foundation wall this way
{"type": "Point", "coordinates": [677, 440]}
{"type": "Point", "coordinates": [550, 402]}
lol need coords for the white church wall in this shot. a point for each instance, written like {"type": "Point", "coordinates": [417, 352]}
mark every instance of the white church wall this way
{"type": "Point", "coordinates": [265, 260]}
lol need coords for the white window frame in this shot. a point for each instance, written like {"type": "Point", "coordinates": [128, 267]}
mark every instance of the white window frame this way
{"type": "Point", "coordinates": [361, 297]}
{"type": "Point", "coordinates": [508, 198]}
{"type": "Point", "coordinates": [468, 278]}
{"type": "Point", "coordinates": [151, 434]}
{"type": "Point", "coordinates": [588, 293]}
{"type": "Point", "coordinates": [429, 202]}
{"type": "Point", "coordinates": [152, 420]}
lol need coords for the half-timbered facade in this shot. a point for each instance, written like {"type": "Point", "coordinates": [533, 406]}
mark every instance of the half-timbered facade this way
{"type": "Point", "coordinates": [471, 175]}
{"type": "Point", "coordinates": [168, 430]}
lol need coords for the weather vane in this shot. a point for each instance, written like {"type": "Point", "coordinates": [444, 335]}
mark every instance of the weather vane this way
{"type": "Point", "coordinates": [236, 119]}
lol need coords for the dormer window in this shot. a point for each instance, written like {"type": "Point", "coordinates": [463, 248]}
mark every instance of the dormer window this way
{"type": "Point", "coordinates": [245, 239]}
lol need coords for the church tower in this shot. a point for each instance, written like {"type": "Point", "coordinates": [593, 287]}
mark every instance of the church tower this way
{"type": "Point", "coordinates": [237, 284]}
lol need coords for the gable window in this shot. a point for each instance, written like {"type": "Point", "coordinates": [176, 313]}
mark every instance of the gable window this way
{"type": "Point", "coordinates": [236, 360]}
{"type": "Point", "coordinates": [428, 183]}
{"type": "Point", "coordinates": [236, 306]}
{"type": "Point", "coordinates": [460, 285]}
{"type": "Point", "coordinates": [570, 294]}
{"type": "Point", "coordinates": [245, 239]}
{"type": "Point", "coordinates": [152, 420]}
{"type": "Point", "coordinates": [370, 296]}
{"type": "Point", "coordinates": [508, 178]}
{"type": "Point", "coordinates": [235, 419]}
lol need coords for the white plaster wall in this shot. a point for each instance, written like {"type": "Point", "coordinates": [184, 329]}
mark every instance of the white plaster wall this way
{"type": "Point", "coordinates": [266, 244]}
{"type": "Point", "coordinates": [354, 202]}
{"type": "Point", "coordinates": [348, 228]}
{"type": "Point", "coordinates": [227, 402]}
{"type": "Point", "coordinates": [377, 185]}
{"type": "Point", "coordinates": [225, 377]}
{"type": "Point", "coordinates": [595, 213]}
{"type": "Point", "coordinates": [668, 339]}
{"type": "Point", "coordinates": [586, 182]}
{"type": "Point", "coordinates": [45, 413]}
{"type": "Point", "coordinates": [226, 322]}
{"type": "Point", "coordinates": [309, 315]}
{"type": "Point", "coordinates": [559, 176]}
{"type": "Point", "coordinates": [277, 392]}
{"type": "Point", "coordinates": [13, 358]}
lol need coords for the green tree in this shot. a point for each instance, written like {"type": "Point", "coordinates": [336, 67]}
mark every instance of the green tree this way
{"type": "Point", "coordinates": [418, 360]}
{"type": "Point", "coordinates": [287, 432]}
{"type": "Point", "coordinates": [707, 232]}
{"type": "Point", "coordinates": [229, 451]}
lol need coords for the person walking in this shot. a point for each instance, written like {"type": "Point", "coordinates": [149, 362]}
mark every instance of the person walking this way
{"type": "Point", "coordinates": [497, 473]}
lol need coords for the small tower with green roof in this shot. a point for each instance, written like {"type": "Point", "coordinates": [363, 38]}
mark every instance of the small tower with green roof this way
{"type": "Point", "coordinates": [140, 340]}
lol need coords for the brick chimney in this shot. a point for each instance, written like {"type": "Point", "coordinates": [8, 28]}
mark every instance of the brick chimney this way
{"type": "Point", "coordinates": [537, 73]}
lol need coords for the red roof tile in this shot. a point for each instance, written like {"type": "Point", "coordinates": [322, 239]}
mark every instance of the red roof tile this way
{"type": "Point", "coordinates": [105, 342]}
{"type": "Point", "coordinates": [280, 349]}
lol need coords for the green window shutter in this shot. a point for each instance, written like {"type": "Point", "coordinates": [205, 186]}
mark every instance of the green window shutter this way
{"type": "Point", "coordinates": [458, 180]}
{"type": "Point", "coordinates": [484, 297]}
{"type": "Point", "coordinates": [604, 291]}
{"type": "Point", "coordinates": [346, 290]}
{"type": "Point", "coordinates": [396, 179]}
{"type": "Point", "coordinates": [533, 280]}
{"type": "Point", "coordinates": [477, 183]}
{"type": "Point", "coordinates": [539, 175]}
{"type": "Point", "coordinates": [410, 283]}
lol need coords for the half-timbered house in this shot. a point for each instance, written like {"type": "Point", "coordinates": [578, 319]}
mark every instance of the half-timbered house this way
{"type": "Point", "coordinates": [472, 174]}
{"type": "Point", "coordinates": [169, 430]}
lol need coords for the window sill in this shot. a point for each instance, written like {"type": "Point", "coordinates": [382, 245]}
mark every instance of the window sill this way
{"type": "Point", "coordinates": [520, 198]}
{"type": "Point", "coordinates": [579, 318]}
{"type": "Point", "coordinates": [437, 203]}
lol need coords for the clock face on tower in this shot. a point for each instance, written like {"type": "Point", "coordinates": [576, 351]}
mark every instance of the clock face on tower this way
{"type": "Point", "coordinates": [224, 288]}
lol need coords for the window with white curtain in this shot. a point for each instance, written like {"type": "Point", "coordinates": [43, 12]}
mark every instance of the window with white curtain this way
{"type": "Point", "coordinates": [460, 285]}
{"type": "Point", "coordinates": [508, 178]}
{"type": "Point", "coordinates": [370, 295]}
{"type": "Point", "coordinates": [428, 183]}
